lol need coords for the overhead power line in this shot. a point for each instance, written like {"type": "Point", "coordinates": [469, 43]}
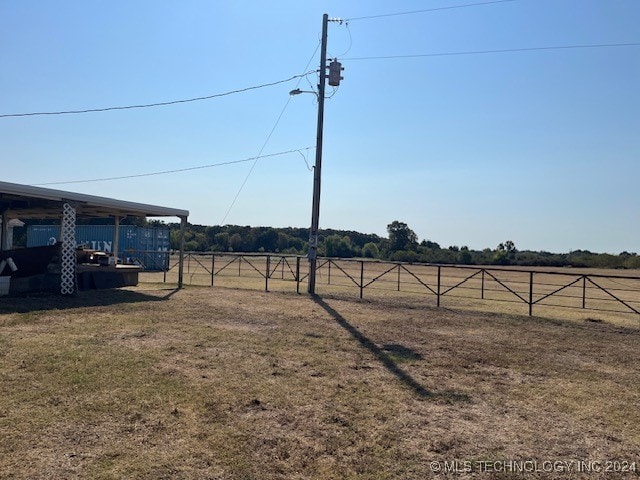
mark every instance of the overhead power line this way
{"type": "Point", "coordinates": [165, 172]}
{"type": "Point", "coordinates": [158, 104]}
{"type": "Point", "coordinates": [505, 50]}
{"type": "Point", "coordinates": [413, 12]}
{"type": "Point", "coordinates": [264, 145]}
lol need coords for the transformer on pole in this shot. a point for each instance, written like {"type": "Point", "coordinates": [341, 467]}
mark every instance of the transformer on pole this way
{"type": "Point", "coordinates": [335, 68]}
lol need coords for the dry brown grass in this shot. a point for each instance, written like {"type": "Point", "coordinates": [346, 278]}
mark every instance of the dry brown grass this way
{"type": "Point", "coordinates": [222, 383]}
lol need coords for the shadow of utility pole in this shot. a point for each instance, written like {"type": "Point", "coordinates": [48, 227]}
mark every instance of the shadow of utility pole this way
{"type": "Point", "coordinates": [387, 361]}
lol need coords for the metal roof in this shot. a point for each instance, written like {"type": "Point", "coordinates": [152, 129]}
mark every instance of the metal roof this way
{"type": "Point", "coordinates": [26, 201]}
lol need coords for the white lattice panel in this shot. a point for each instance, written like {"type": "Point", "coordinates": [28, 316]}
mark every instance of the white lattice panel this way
{"type": "Point", "coordinates": [68, 254]}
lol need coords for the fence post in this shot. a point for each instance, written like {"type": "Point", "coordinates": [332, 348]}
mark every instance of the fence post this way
{"type": "Point", "coordinates": [239, 264]}
{"type": "Point", "coordinates": [482, 286]}
{"type": "Point", "coordinates": [398, 277]}
{"type": "Point", "coordinates": [329, 273]}
{"type": "Point", "coordinates": [213, 266]}
{"type": "Point", "coordinates": [438, 294]}
{"type": "Point", "coordinates": [530, 293]}
{"type": "Point", "coordinates": [584, 291]}
{"type": "Point", "coordinates": [361, 278]}
{"type": "Point", "coordinates": [266, 274]}
{"type": "Point", "coordinates": [297, 274]}
{"type": "Point", "coordinates": [283, 260]}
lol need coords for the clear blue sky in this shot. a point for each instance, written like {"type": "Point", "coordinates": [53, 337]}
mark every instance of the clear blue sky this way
{"type": "Point", "coordinates": [539, 147]}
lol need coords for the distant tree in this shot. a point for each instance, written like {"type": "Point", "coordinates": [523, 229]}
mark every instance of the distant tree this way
{"type": "Point", "coordinates": [464, 256]}
{"type": "Point", "coordinates": [156, 223]}
{"type": "Point", "coordinates": [221, 241]}
{"type": "Point", "coordinates": [370, 250]}
{"type": "Point", "coordinates": [267, 240]}
{"type": "Point", "coordinates": [405, 256]}
{"type": "Point", "coordinates": [505, 253]}
{"type": "Point", "coordinates": [191, 246]}
{"type": "Point", "coordinates": [201, 240]}
{"type": "Point", "coordinates": [235, 243]}
{"type": "Point", "coordinates": [632, 261]}
{"type": "Point", "coordinates": [430, 244]}
{"type": "Point", "coordinates": [401, 237]}
{"type": "Point", "coordinates": [211, 233]}
{"type": "Point", "coordinates": [507, 246]}
{"type": "Point", "coordinates": [337, 246]}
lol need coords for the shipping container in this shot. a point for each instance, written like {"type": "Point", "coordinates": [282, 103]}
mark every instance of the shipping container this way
{"type": "Point", "coordinates": [148, 247]}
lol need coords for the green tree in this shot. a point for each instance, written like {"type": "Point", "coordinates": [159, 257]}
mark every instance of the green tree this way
{"type": "Point", "coordinates": [267, 240]}
{"type": "Point", "coordinates": [370, 250]}
{"type": "Point", "coordinates": [505, 253]}
{"type": "Point", "coordinates": [337, 246]}
{"type": "Point", "coordinates": [464, 256]}
{"type": "Point", "coordinates": [430, 244]}
{"type": "Point", "coordinates": [221, 241]}
{"type": "Point", "coordinates": [405, 256]}
{"type": "Point", "coordinates": [401, 237]}
{"type": "Point", "coordinates": [235, 243]}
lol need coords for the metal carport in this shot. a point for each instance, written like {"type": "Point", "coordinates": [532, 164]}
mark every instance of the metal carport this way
{"type": "Point", "coordinates": [26, 201]}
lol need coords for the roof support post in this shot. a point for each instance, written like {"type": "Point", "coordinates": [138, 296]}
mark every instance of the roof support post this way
{"type": "Point", "coordinates": [4, 242]}
{"type": "Point", "coordinates": [183, 227]}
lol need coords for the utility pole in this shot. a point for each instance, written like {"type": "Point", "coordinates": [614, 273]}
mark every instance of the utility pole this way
{"type": "Point", "coordinates": [315, 209]}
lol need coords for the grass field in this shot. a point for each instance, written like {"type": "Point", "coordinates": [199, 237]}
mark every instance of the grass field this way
{"type": "Point", "coordinates": [205, 383]}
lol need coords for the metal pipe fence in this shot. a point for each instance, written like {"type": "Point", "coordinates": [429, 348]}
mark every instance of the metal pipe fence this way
{"type": "Point", "coordinates": [529, 287]}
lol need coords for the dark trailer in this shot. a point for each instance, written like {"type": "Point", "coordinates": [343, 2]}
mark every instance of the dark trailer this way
{"type": "Point", "coordinates": [23, 270]}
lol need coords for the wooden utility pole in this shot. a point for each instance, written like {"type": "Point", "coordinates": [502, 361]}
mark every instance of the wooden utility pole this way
{"type": "Point", "coordinates": [315, 209]}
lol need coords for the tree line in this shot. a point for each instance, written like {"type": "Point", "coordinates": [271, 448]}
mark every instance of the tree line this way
{"type": "Point", "coordinates": [402, 244]}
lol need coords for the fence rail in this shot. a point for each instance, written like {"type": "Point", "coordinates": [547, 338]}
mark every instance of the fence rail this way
{"type": "Point", "coordinates": [530, 287]}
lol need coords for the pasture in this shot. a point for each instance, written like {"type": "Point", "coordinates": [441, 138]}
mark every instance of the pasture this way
{"type": "Point", "coordinates": [222, 383]}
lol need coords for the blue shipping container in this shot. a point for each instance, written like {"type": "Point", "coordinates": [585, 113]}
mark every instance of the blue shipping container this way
{"type": "Point", "coordinates": [148, 247]}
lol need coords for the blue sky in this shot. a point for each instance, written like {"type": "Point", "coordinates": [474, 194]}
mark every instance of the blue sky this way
{"type": "Point", "coordinates": [540, 147]}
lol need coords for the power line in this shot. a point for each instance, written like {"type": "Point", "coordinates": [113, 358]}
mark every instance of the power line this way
{"type": "Point", "coordinates": [158, 104]}
{"type": "Point", "coordinates": [412, 12]}
{"type": "Point", "coordinates": [233, 202]}
{"type": "Point", "coordinates": [505, 50]}
{"type": "Point", "coordinates": [165, 172]}
{"type": "Point", "coordinates": [253, 166]}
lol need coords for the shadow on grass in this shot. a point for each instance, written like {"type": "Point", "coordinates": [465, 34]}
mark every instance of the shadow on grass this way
{"type": "Point", "coordinates": [385, 356]}
{"type": "Point", "coordinates": [89, 298]}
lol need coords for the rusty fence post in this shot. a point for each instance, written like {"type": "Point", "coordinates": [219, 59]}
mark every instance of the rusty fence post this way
{"type": "Point", "coordinates": [213, 266]}
{"type": "Point", "coordinates": [438, 294]}
{"type": "Point", "coordinates": [530, 293]}
{"type": "Point", "coordinates": [266, 274]}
